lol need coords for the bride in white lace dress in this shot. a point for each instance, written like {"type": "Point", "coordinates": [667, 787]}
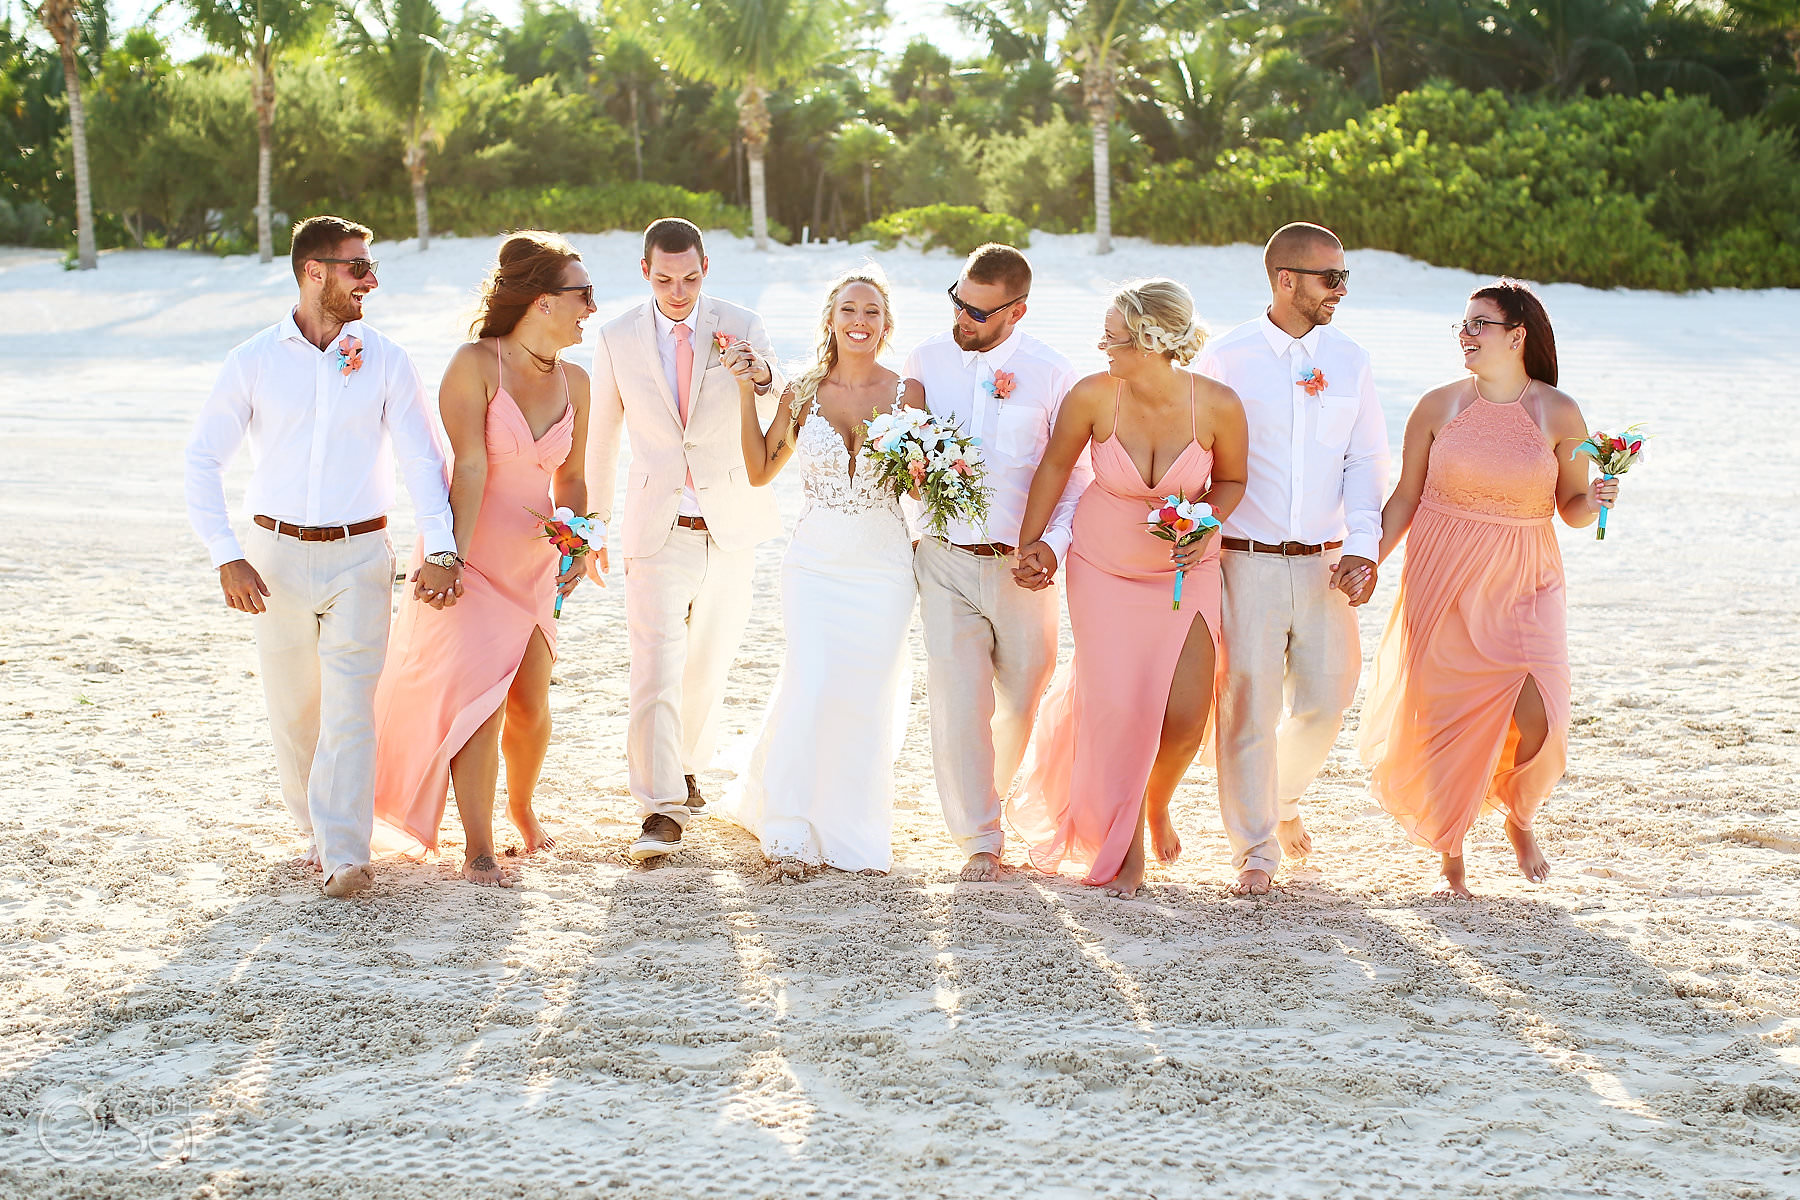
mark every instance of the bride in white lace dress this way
{"type": "Point", "coordinates": [819, 787]}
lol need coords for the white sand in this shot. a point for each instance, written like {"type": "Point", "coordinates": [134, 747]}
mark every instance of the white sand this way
{"type": "Point", "coordinates": [1628, 1029]}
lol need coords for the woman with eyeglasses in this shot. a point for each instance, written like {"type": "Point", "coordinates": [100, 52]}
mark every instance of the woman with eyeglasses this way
{"type": "Point", "coordinates": [468, 684]}
{"type": "Point", "coordinates": [1469, 708]}
{"type": "Point", "coordinates": [1125, 718]}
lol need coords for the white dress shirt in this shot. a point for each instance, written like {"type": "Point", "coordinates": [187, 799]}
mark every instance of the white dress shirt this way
{"type": "Point", "coordinates": [1013, 431]}
{"type": "Point", "coordinates": [1318, 464]}
{"type": "Point", "coordinates": [322, 443]}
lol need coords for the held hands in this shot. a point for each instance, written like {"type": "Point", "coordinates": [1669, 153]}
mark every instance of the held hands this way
{"type": "Point", "coordinates": [243, 587]}
{"type": "Point", "coordinates": [594, 562]}
{"type": "Point", "coordinates": [741, 359]}
{"type": "Point", "coordinates": [1355, 577]}
{"type": "Point", "coordinates": [1037, 566]}
{"type": "Point", "coordinates": [437, 586]}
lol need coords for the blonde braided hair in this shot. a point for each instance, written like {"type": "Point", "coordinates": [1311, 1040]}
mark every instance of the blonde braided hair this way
{"type": "Point", "coordinates": [1159, 313]}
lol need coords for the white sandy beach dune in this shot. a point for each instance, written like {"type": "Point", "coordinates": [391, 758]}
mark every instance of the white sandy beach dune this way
{"type": "Point", "coordinates": [183, 1014]}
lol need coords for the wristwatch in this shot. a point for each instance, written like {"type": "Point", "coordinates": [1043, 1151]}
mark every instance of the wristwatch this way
{"type": "Point", "coordinates": [445, 559]}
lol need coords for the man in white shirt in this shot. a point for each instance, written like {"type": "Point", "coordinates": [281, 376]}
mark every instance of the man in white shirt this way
{"type": "Point", "coordinates": [668, 370]}
{"type": "Point", "coordinates": [325, 401]}
{"type": "Point", "coordinates": [990, 644]}
{"type": "Point", "coordinates": [1298, 553]}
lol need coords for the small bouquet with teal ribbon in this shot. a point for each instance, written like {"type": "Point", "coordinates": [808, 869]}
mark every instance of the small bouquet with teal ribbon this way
{"type": "Point", "coordinates": [1181, 522]}
{"type": "Point", "coordinates": [573, 536]}
{"type": "Point", "coordinates": [1614, 455]}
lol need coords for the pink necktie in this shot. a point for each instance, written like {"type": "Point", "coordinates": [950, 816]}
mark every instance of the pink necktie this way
{"type": "Point", "coordinates": [684, 377]}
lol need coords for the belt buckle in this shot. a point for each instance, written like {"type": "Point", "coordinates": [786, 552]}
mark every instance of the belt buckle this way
{"type": "Point", "coordinates": [1292, 549]}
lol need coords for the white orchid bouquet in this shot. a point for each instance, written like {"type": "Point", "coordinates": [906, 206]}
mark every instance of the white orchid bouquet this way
{"type": "Point", "coordinates": [1180, 522]}
{"type": "Point", "coordinates": [916, 453]}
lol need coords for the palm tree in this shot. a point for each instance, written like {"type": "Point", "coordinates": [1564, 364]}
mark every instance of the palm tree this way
{"type": "Point", "coordinates": [1370, 37]}
{"type": "Point", "coordinates": [862, 145]}
{"type": "Point", "coordinates": [628, 68]}
{"type": "Point", "coordinates": [397, 48]}
{"type": "Point", "coordinates": [63, 19]}
{"type": "Point", "coordinates": [1101, 36]}
{"type": "Point", "coordinates": [256, 30]}
{"type": "Point", "coordinates": [753, 46]}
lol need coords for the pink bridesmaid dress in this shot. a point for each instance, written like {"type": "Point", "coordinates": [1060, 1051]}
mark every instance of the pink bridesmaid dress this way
{"type": "Point", "coordinates": [1099, 729]}
{"type": "Point", "coordinates": [1481, 609]}
{"type": "Point", "coordinates": [448, 670]}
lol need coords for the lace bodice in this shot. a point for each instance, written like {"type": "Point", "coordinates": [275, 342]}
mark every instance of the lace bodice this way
{"type": "Point", "coordinates": [825, 471]}
{"type": "Point", "coordinates": [1493, 459]}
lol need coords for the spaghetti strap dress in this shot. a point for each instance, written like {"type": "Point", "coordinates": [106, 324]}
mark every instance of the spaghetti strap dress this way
{"type": "Point", "coordinates": [1100, 727]}
{"type": "Point", "coordinates": [448, 670]}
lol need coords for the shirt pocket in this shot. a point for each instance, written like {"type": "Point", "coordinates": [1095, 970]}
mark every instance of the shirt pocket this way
{"type": "Point", "coordinates": [1336, 417]}
{"type": "Point", "coordinates": [1020, 433]}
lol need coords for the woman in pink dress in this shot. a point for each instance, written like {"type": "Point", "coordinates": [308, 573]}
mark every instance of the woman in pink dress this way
{"type": "Point", "coordinates": [468, 683]}
{"type": "Point", "coordinates": [1128, 713]}
{"type": "Point", "coordinates": [1469, 708]}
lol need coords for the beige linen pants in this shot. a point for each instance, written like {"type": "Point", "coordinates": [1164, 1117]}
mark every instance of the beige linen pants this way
{"type": "Point", "coordinates": [322, 642]}
{"type": "Point", "coordinates": [990, 651]}
{"type": "Point", "coordinates": [1292, 658]}
{"type": "Point", "coordinates": [685, 611]}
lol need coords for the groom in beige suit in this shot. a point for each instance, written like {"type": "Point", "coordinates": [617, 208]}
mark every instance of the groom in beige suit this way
{"type": "Point", "coordinates": [668, 370]}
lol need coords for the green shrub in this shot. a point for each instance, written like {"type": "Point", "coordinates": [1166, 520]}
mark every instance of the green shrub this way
{"type": "Point", "coordinates": [940, 165]}
{"type": "Point", "coordinates": [1043, 175]}
{"type": "Point", "coordinates": [959, 227]}
{"type": "Point", "coordinates": [1648, 192]}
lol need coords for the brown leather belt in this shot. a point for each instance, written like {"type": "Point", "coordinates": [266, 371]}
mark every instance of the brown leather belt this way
{"type": "Point", "coordinates": [1285, 549]}
{"type": "Point", "coordinates": [321, 533]}
{"type": "Point", "coordinates": [691, 523]}
{"type": "Point", "coordinates": [984, 550]}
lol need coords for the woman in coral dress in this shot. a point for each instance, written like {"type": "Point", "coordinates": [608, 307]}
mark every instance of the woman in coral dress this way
{"type": "Point", "coordinates": [469, 682]}
{"type": "Point", "coordinates": [1128, 713]}
{"type": "Point", "coordinates": [1469, 708]}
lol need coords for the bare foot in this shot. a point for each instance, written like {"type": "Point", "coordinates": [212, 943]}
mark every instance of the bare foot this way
{"type": "Point", "coordinates": [788, 870]}
{"type": "Point", "coordinates": [1532, 863]}
{"type": "Point", "coordinates": [1127, 883]}
{"type": "Point", "coordinates": [1164, 841]}
{"type": "Point", "coordinates": [1253, 882]}
{"type": "Point", "coordinates": [310, 861]}
{"type": "Point", "coordinates": [1295, 841]}
{"type": "Point", "coordinates": [526, 822]}
{"type": "Point", "coordinates": [981, 868]}
{"type": "Point", "coordinates": [348, 881]}
{"type": "Point", "coordinates": [1451, 885]}
{"type": "Point", "coordinates": [483, 871]}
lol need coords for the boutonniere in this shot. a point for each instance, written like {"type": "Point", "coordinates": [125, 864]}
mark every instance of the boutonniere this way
{"type": "Point", "coordinates": [1313, 384]}
{"type": "Point", "coordinates": [1001, 385]}
{"type": "Point", "coordinates": [723, 341]}
{"type": "Point", "coordinates": [349, 352]}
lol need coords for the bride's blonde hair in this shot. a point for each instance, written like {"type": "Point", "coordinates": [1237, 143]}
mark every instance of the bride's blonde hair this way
{"type": "Point", "coordinates": [1160, 315]}
{"type": "Point", "coordinates": [806, 387]}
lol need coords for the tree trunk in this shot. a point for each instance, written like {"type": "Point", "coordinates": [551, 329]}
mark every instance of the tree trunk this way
{"type": "Point", "coordinates": [415, 167]}
{"type": "Point", "coordinates": [264, 82]}
{"type": "Point", "coordinates": [818, 221]}
{"type": "Point", "coordinates": [868, 173]}
{"type": "Point", "coordinates": [1100, 102]}
{"type": "Point", "coordinates": [85, 257]}
{"type": "Point", "coordinates": [637, 134]}
{"type": "Point", "coordinates": [753, 116]}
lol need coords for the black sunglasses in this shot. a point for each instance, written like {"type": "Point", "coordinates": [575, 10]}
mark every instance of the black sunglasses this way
{"type": "Point", "coordinates": [586, 290]}
{"type": "Point", "coordinates": [1334, 277]}
{"type": "Point", "coordinates": [360, 268]}
{"type": "Point", "coordinates": [979, 315]}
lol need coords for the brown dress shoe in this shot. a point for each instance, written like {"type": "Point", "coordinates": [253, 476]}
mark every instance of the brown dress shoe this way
{"type": "Point", "coordinates": [695, 799]}
{"type": "Point", "coordinates": [661, 836]}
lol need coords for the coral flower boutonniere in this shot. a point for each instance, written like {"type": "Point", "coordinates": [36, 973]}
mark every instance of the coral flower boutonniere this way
{"type": "Point", "coordinates": [350, 358]}
{"type": "Point", "coordinates": [1001, 385]}
{"type": "Point", "coordinates": [1313, 384]}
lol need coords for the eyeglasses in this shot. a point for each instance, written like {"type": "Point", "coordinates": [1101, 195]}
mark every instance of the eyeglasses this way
{"type": "Point", "coordinates": [1106, 343]}
{"type": "Point", "coordinates": [1334, 277]}
{"type": "Point", "coordinates": [360, 268]}
{"type": "Point", "coordinates": [1474, 326]}
{"type": "Point", "coordinates": [586, 290]}
{"type": "Point", "coordinates": [979, 315]}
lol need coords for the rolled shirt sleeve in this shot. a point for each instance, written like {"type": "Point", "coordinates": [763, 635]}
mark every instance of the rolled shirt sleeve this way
{"type": "Point", "coordinates": [218, 432]}
{"type": "Point", "coordinates": [1365, 472]}
{"type": "Point", "coordinates": [423, 463]}
{"type": "Point", "coordinates": [1060, 533]}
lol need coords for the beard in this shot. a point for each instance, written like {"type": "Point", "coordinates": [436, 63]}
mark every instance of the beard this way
{"type": "Point", "coordinates": [339, 302]}
{"type": "Point", "coordinates": [1318, 313]}
{"type": "Point", "coordinates": [980, 339]}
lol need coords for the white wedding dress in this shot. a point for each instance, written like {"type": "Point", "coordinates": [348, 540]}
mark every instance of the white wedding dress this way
{"type": "Point", "coordinates": [819, 786]}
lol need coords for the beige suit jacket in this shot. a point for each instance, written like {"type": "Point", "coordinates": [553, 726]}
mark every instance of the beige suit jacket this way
{"type": "Point", "coordinates": [631, 390]}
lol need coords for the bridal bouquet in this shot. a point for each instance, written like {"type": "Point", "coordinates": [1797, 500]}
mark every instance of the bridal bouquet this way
{"type": "Point", "coordinates": [915, 452]}
{"type": "Point", "coordinates": [1615, 456]}
{"type": "Point", "coordinates": [1181, 522]}
{"type": "Point", "coordinates": [573, 536]}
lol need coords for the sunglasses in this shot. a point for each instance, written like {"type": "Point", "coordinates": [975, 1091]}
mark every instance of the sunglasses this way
{"type": "Point", "coordinates": [1334, 277]}
{"type": "Point", "coordinates": [586, 290]}
{"type": "Point", "coordinates": [360, 268]}
{"type": "Point", "coordinates": [979, 315]}
{"type": "Point", "coordinates": [1475, 326]}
